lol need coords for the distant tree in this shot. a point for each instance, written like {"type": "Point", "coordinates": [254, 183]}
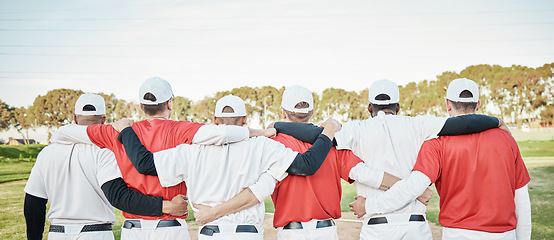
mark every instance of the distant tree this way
{"type": "Point", "coordinates": [547, 115]}
{"type": "Point", "coordinates": [182, 108]}
{"type": "Point", "coordinates": [54, 109]}
{"type": "Point", "coordinates": [22, 122]}
{"type": "Point", "coordinates": [5, 115]}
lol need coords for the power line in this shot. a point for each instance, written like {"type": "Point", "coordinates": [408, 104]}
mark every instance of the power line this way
{"type": "Point", "coordinates": [268, 16]}
{"type": "Point", "coordinates": [268, 44]}
{"type": "Point", "coordinates": [255, 28]}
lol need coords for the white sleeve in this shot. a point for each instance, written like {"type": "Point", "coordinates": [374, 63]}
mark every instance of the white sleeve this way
{"type": "Point", "coordinates": [220, 134]}
{"type": "Point", "coordinates": [347, 137]}
{"type": "Point", "coordinates": [367, 175]}
{"type": "Point", "coordinates": [400, 194]}
{"type": "Point", "coordinates": [277, 158]}
{"type": "Point", "coordinates": [523, 213]}
{"type": "Point", "coordinates": [429, 126]}
{"type": "Point", "coordinates": [107, 167]}
{"type": "Point", "coordinates": [172, 164]}
{"type": "Point", "coordinates": [70, 134]}
{"type": "Point", "coordinates": [264, 186]}
{"type": "Point", "coordinates": [35, 184]}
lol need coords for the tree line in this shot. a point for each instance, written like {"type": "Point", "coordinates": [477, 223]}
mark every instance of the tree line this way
{"type": "Point", "coordinates": [518, 94]}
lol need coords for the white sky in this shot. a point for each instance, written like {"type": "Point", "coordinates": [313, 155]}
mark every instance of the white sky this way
{"type": "Point", "coordinates": [202, 47]}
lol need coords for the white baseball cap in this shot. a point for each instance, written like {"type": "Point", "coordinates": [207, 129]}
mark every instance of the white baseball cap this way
{"type": "Point", "coordinates": [158, 87]}
{"type": "Point", "coordinates": [457, 86]}
{"type": "Point", "coordinates": [386, 87]}
{"type": "Point", "coordinates": [94, 100]}
{"type": "Point", "coordinates": [234, 102]}
{"type": "Point", "coordinates": [294, 95]}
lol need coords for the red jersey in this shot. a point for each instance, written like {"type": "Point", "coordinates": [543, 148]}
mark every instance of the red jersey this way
{"type": "Point", "coordinates": [301, 199]}
{"type": "Point", "coordinates": [155, 136]}
{"type": "Point", "coordinates": [476, 177]}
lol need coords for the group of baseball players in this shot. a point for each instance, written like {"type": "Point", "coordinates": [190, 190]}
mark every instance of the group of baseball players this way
{"type": "Point", "coordinates": [152, 169]}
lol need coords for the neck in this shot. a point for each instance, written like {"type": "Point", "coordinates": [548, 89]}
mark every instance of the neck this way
{"type": "Point", "coordinates": [150, 118]}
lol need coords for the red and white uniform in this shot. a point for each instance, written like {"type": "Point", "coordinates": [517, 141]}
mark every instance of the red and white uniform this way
{"type": "Point", "coordinates": [390, 143]}
{"type": "Point", "coordinates": [311, 198]}
{"type": "Point", "coordinates": [477, 178]}
{"type": "Point", "coordinates": [155, 136]}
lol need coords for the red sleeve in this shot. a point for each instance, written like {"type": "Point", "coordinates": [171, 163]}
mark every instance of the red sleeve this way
{"type": "Point", "coordinates": [347, 160]}
{"type": "Point", "coordinates": [103, 135]}
{"type": "Point", "coordinates": [522, 175]}
{"type": "Point", "coordinates": [428, 159]}
{"type": "Point", "coordinates": [184, 131]}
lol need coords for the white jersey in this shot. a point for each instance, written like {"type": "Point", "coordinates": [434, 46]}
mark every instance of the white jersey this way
{"type": "Point", "coordinates": [390, 143]}
{"type": "Point", "coordinates": [70, 177]}
{"type": "Point", "coordinates": [215, 174]}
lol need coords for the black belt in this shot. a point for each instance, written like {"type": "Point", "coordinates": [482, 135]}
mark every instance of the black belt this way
{"type": "Point", "coordinates": [320, 224]}
{"type": "Point", "coordinates": [162, 223]}
{"type": "Point", "coordinates": [209, 230]}
{"type": "Point", "coordinates": [86, 228]}
{"type": "Point", "coordinates": [380, 220]}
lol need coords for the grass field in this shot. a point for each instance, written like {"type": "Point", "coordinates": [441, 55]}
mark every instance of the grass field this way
{"type": "Point", "coordinates": [16, 163]}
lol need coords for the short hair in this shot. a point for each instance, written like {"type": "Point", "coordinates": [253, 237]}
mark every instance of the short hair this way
{"type": "Point", "coordinates": [382, 96]}
{"type": "Point", "coordinates": [377, 108]}
{"type": "Point", "coordinates": [299, 117]}
{"type": "Point", "coordinates": [465, 107]}
{"type": "Point", "coordinates": [230, 120]}
{"type": "Point", "coordinates": [151, 110]}
{"type": "Point", "coordinates": [89, 119]}
{"type": "Point", "coordinates": [89, 108]}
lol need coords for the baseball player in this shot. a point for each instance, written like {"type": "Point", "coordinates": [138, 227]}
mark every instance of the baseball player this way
{"type": "Point", "coordinates": [215, 174]}
{"type": "Point", "coordinates": [157, 132]}
{"type": "Point", "coordinates": [481, 178]}
{"type": "Point", "coordinates": [391, 142]}
{"type": "Point", "coordinates": [81, 181]}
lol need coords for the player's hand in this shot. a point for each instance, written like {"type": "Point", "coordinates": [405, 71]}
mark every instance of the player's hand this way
{"type": "Point", "coordinates": [205, 214]}
{"type": "Point", "coordinates": [178, 206]}
{"type": "Point", "coordinates": [330, 127]}
{"type": "Point", "coordinates": [331, 124]}
{"type": "Point", "coordinates": [358, 206]}
{"type": "Point", "coordinates": [502, 125]}
{"type": "Point", "coordinates": [122, 123]}
{"type": "Point", "coordinates": [270, 132]}
{"type": "Point", "coordinates": [426, 196]}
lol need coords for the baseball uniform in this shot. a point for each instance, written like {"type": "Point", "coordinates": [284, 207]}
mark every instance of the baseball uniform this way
{"type": "Point", "coordinates": [215, 174]}
{"type": "Point", "coordinates": [70, 177]}
{"type": "Point", "coordinates": [305, 206]}
{"type": "Point", "coordinates": [156, 135]}
{"type": "Point", "coordinates": [477, 178]}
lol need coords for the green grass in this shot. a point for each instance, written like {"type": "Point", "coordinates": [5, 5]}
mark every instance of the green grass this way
{"type": "Point", "coordinates": [20, 153]}
{"type": "Point", "coordinates": [536, 148]}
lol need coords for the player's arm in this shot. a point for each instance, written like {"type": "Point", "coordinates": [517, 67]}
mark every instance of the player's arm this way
{"type": "Point", "coordinates": [372, 177]}
{"type": "Point", "coordinates": [34, 209]}
{"type": "Point", "coordinates": [471, 123]}
{"type": "Point", "coordinates": [523, 213]}
{"type": "Point", "coordinates": [395, 198]}
{"type": "Point", "coordinates": [128, 200]}
{"type": "Point", "coordinates": [142, 159]}
{"type": "Point", "coordinates": [221, 134]}
{"type": "Point", "coordinates": [247, 198]}
{"type": "Point", "coordinates": [307, 163]}
{"type": "Point", "coordinates": [70, 134]}
{"type": "Point", "coordinates": [305, 132]}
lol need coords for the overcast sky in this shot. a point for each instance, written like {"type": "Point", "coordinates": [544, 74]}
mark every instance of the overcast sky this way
{"type": "Point", "coordinates": [202, 47]}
